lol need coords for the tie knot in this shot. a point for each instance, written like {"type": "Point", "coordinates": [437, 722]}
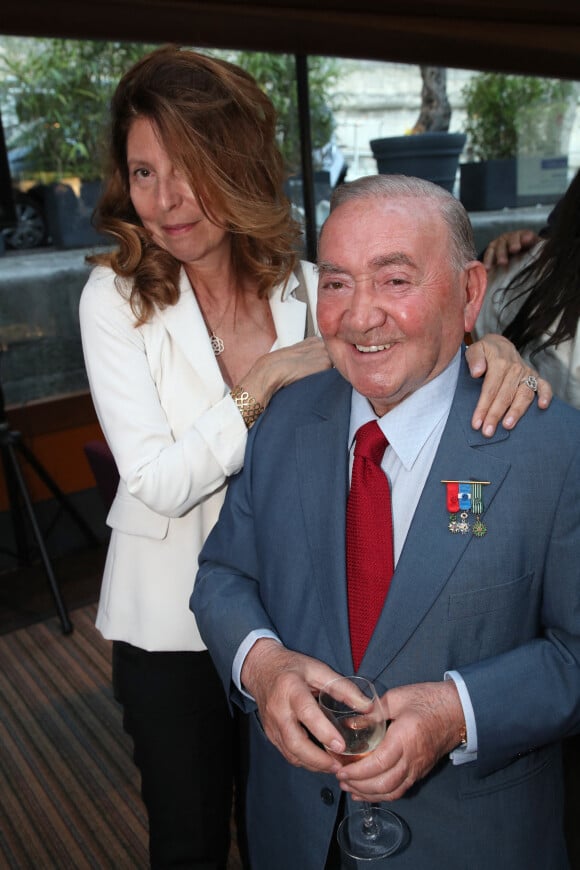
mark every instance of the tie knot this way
{"type": "Point", "coordinates": [370, 442]}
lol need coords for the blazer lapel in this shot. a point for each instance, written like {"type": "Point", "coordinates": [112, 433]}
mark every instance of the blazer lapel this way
{"type": "Point", "coordinates": [185, 323]}
{"type": "Point", "coordinates": [431, 551]}
{"type": "Point", "coordinates": [322, 463]}
{"type": "Point", "coordinates": [288, 313]}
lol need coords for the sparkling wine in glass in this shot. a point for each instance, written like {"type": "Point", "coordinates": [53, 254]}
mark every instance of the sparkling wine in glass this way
{"type": "Point", "coordinates": [354, 708]}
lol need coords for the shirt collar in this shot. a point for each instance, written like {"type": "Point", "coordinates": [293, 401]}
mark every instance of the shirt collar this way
{"type": "Point", "coordinates": [408, 426]}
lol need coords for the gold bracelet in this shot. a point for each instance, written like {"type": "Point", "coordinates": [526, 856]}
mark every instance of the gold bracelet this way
{"type": "Point", "coordinates": [249, 408]}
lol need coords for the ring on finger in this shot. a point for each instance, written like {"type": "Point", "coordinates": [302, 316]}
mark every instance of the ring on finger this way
{"type": "Point", "coordinates": [530, 381]}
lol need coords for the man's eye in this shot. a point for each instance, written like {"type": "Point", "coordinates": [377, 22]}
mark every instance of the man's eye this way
{"type": "Point", "coordinates": [329, 286]}
{"type": "Point", "coordinates": [395, 282]}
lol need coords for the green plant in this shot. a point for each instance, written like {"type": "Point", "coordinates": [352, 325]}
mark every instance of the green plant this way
{"type": "Point", "coordinates": [275, 73]}
{"type": "Point", "coordinates": [509, 114]}
{"type": "Point", "coordinates": [57, 92]}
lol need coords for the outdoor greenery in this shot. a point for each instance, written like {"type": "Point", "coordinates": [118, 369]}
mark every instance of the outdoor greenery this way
{"type": "Point", "coordinates": [55, 94]}
{"type": "Point", "coordinates": [510, 114]}
{"type": "Point", "coordinates": [54, 98]}
{"type": "Point", "coordinates": [275, 73]}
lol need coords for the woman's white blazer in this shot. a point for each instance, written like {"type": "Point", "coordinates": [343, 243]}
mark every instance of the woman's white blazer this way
{"type": "Point", "coordinates": [176, 436]}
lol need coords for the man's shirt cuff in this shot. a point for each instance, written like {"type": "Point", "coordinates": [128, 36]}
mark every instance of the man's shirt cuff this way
{"type": "Point", "coordinates": [467, 752]}
{"type": "Point", "coordinates": [243, 650]}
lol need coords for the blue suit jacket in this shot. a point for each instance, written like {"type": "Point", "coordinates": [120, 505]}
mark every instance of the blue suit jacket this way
{"type": "Point", "coordinates": [503, 609]}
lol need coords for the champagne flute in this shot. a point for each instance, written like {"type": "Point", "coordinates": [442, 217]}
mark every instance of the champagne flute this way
{"type": "Point", "coordinates": [354, 708]}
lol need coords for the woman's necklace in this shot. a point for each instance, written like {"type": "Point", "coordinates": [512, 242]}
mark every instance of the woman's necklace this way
{"type": "Point", "coordinates": [217, 343]}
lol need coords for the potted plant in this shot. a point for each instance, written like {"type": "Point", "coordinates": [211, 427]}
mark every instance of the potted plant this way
{"type": "Point", "coordinates": [429, 151]}
{"type": "Point", "coordinates": [511, 117]}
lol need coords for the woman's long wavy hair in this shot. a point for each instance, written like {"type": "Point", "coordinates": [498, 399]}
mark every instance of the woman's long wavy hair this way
{"type": "Point", "coordinates": [550, 312]}
{"type": "Point", "coordinates": [219, 129]}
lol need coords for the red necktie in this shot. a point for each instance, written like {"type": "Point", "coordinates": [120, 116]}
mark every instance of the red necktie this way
{"type": "Point", "coordinates": [369, 538]}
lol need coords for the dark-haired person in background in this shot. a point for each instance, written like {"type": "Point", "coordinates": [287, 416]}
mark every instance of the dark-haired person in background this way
{"type": "Point", "coordinates": [534, 299]}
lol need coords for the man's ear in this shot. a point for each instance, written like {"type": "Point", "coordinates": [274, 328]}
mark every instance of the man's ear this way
{"type": "Point", "coordinates": [475, 277]}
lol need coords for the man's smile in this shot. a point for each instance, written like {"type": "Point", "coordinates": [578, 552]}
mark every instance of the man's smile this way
{"type": "Point", "coordinates": [373, 348]}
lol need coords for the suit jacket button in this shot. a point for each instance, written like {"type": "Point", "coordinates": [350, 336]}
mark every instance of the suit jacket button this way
{"type": "Point", "coordinates": [327, 796]}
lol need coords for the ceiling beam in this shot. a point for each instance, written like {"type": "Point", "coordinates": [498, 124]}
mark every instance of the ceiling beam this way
{"type": "Point", "coordinates": [525, 36]}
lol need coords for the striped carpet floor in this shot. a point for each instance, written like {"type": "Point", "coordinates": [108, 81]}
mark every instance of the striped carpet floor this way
{"type": "Point", "coordinates": [69, 792]}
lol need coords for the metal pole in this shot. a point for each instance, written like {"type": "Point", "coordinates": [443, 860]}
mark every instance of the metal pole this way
{"type": "Point", "coordinates": [306, 156]}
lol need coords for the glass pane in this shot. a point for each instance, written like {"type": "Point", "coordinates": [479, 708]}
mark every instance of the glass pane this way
{"type": "Point", "coordinates": [53, 102]}
{"type": "Point", "coordinates": [54, 96]}
{"type": "Point", "coordinates": [522, 130]}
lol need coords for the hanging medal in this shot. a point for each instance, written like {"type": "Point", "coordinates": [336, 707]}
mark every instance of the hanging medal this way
{"type": "Point", "coordinates": [453, 505]}
{"type": "Point", "coordinates": [465, 497]}
{"type": "Point", "coordinates": [479, 527]}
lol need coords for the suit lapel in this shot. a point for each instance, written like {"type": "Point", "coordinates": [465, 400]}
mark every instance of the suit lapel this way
{"type": "Point", "coordinates": [431, 552]}
{"type": "Point", "coordinates": [322, 463]}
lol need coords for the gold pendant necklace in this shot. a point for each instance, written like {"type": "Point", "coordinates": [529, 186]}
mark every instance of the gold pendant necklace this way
{"type": "Point", "coordinates": [217, 343]}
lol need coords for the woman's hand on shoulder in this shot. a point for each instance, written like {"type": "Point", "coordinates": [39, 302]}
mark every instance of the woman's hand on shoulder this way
{"type": "Point", "coordinates": [504, 395]}
{"type": "Point", "coordinates": [284, 366]}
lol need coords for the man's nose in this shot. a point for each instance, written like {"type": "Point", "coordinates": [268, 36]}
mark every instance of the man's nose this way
{"type": "Point", "coordinates": [365, 310]}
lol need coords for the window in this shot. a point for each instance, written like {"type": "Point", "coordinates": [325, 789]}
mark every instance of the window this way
{"type": "Point", "coordinates": [53, 101]}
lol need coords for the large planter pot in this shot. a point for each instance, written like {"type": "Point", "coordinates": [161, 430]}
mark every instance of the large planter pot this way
{"type": "Point", "coordinates": [488, 185]}
{"type": "Point", "coordinates": [69, 217]}
{"type": "Point", "coordinates": [433, 156]}
{"type": "Point", "coordinates": [516, 182]}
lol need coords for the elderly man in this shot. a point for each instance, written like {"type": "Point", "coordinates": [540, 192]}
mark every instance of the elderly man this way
{"type": "Point", "coordinates": [471, 622]}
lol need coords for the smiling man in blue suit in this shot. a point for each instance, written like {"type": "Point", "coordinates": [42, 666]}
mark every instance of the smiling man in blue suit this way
{"type": "Point", "coordinates": [477, 643]}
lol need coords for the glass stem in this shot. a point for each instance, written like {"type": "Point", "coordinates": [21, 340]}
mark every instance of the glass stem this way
{"type": "Point", "coordinates": [369, 824]}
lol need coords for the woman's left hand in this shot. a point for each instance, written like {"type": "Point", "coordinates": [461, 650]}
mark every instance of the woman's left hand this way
{"type": "Point", "coordinates": [504, 394]}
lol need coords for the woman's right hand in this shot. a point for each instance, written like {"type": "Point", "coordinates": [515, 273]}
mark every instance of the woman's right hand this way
{"type": "Point", "coordinates": [499, 251]}
{"type": "Point", "coordinates": [281, 367]}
